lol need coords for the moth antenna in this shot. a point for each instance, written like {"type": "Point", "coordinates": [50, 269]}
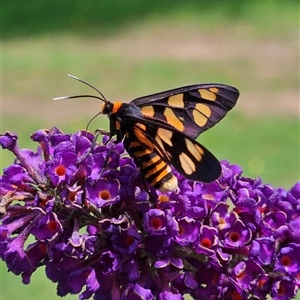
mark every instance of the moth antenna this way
{"type": "Point", "coordinates": [102, 98]}
{"type": "Point", "coordinates": [88, 84]}
{"type": "Point", "coordinates": [79, 96]}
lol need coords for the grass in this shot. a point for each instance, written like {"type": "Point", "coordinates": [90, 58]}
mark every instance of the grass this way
{"type": "Point", "coordinates": [137, 49]}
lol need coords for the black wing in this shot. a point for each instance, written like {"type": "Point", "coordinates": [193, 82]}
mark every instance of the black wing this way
{"type": "Point", "coordinates": [191, 109]}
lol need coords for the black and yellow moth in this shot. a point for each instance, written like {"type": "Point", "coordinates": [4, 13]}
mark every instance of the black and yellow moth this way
{"type": "Point", "coordinates": [159, 130]}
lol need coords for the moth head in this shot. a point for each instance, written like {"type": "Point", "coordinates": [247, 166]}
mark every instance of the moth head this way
{"type": "Point", "coordinates": [106, 108]}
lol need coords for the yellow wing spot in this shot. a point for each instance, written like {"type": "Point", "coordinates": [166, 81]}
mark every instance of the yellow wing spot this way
{"type": "Point", "coordinates": [204, 109]}
{"type": "Point", "coordinates": [199, 118]}
{"type": "Point", "coordinates": [148, 111]}
{"type": "Point", "coordinates": [207, 95]}
{"type": "Point", "coordinates": [176, 100]}
{"type": "Point", "coordinates": [165, 135]}
{"type": "Point", "coordinates": [214, 90]}
{"type": "Point", "coordinates": [187, 164]}
{"type": "Point", "coordinates": [172, 119]}
{"type": "Point", "coordinates": [140, 126]}
{"type": "Point", "coordinates": [193, 149]}
{"type": "Point", "coordinates": [199, 149]}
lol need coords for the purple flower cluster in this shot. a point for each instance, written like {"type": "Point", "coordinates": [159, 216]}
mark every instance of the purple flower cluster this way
{"type": "Point", "coordinates": [101, 231]}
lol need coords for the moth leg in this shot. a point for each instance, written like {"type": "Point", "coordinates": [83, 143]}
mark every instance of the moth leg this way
{"type": "Point", "coordinates": [99, 131]}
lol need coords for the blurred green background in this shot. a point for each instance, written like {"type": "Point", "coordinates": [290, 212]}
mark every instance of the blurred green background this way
{"type": "Point", "coordinates": [133, 48]}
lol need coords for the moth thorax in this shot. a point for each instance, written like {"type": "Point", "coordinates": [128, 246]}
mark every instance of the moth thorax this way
{"type": "Point", "coordinates": [170, 185]}
{"type": "Point", "coordinates": [116, 106]}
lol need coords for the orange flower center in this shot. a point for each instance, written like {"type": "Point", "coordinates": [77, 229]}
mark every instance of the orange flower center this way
{"type": "Point", "coordinates": [42, 247]}
{"type": "Point", "coordinates": [222, 221]}
{"type": "Point", "coordinates": [285, 260]}
{"type": "Point", "coordinates": [129, 240]}
{"type": "Point", "coordinates": [181, 230]}
{"type": "Point", "coordinates": [104, 195]}
{"type": "Point", "coordinates": [60, 170]}
{"type": "Point", "coordinates": [281, 290]}
{"type": "Point", "coordinates": [206, 243]}
{"type": "Point", "coordinates": [234, 236]}
{"type": "Point", "coordinates": [52, 225]}
{"type": "Point", "coordinates": [71, 196]}
{"type": "Point", "coordinates": [163, 198]}
{"type": "Point", "coordinates": [156, 223]}
{"type": "Point", "coordinates": [236, 296]}
{"type": "Point", "coordinates": [261, 283]}
{"type": "Point", "coordinates": [241, 275]}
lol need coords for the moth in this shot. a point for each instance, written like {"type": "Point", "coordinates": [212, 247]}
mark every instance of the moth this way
{"type": "Point", "coordinates": [159, 131]}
